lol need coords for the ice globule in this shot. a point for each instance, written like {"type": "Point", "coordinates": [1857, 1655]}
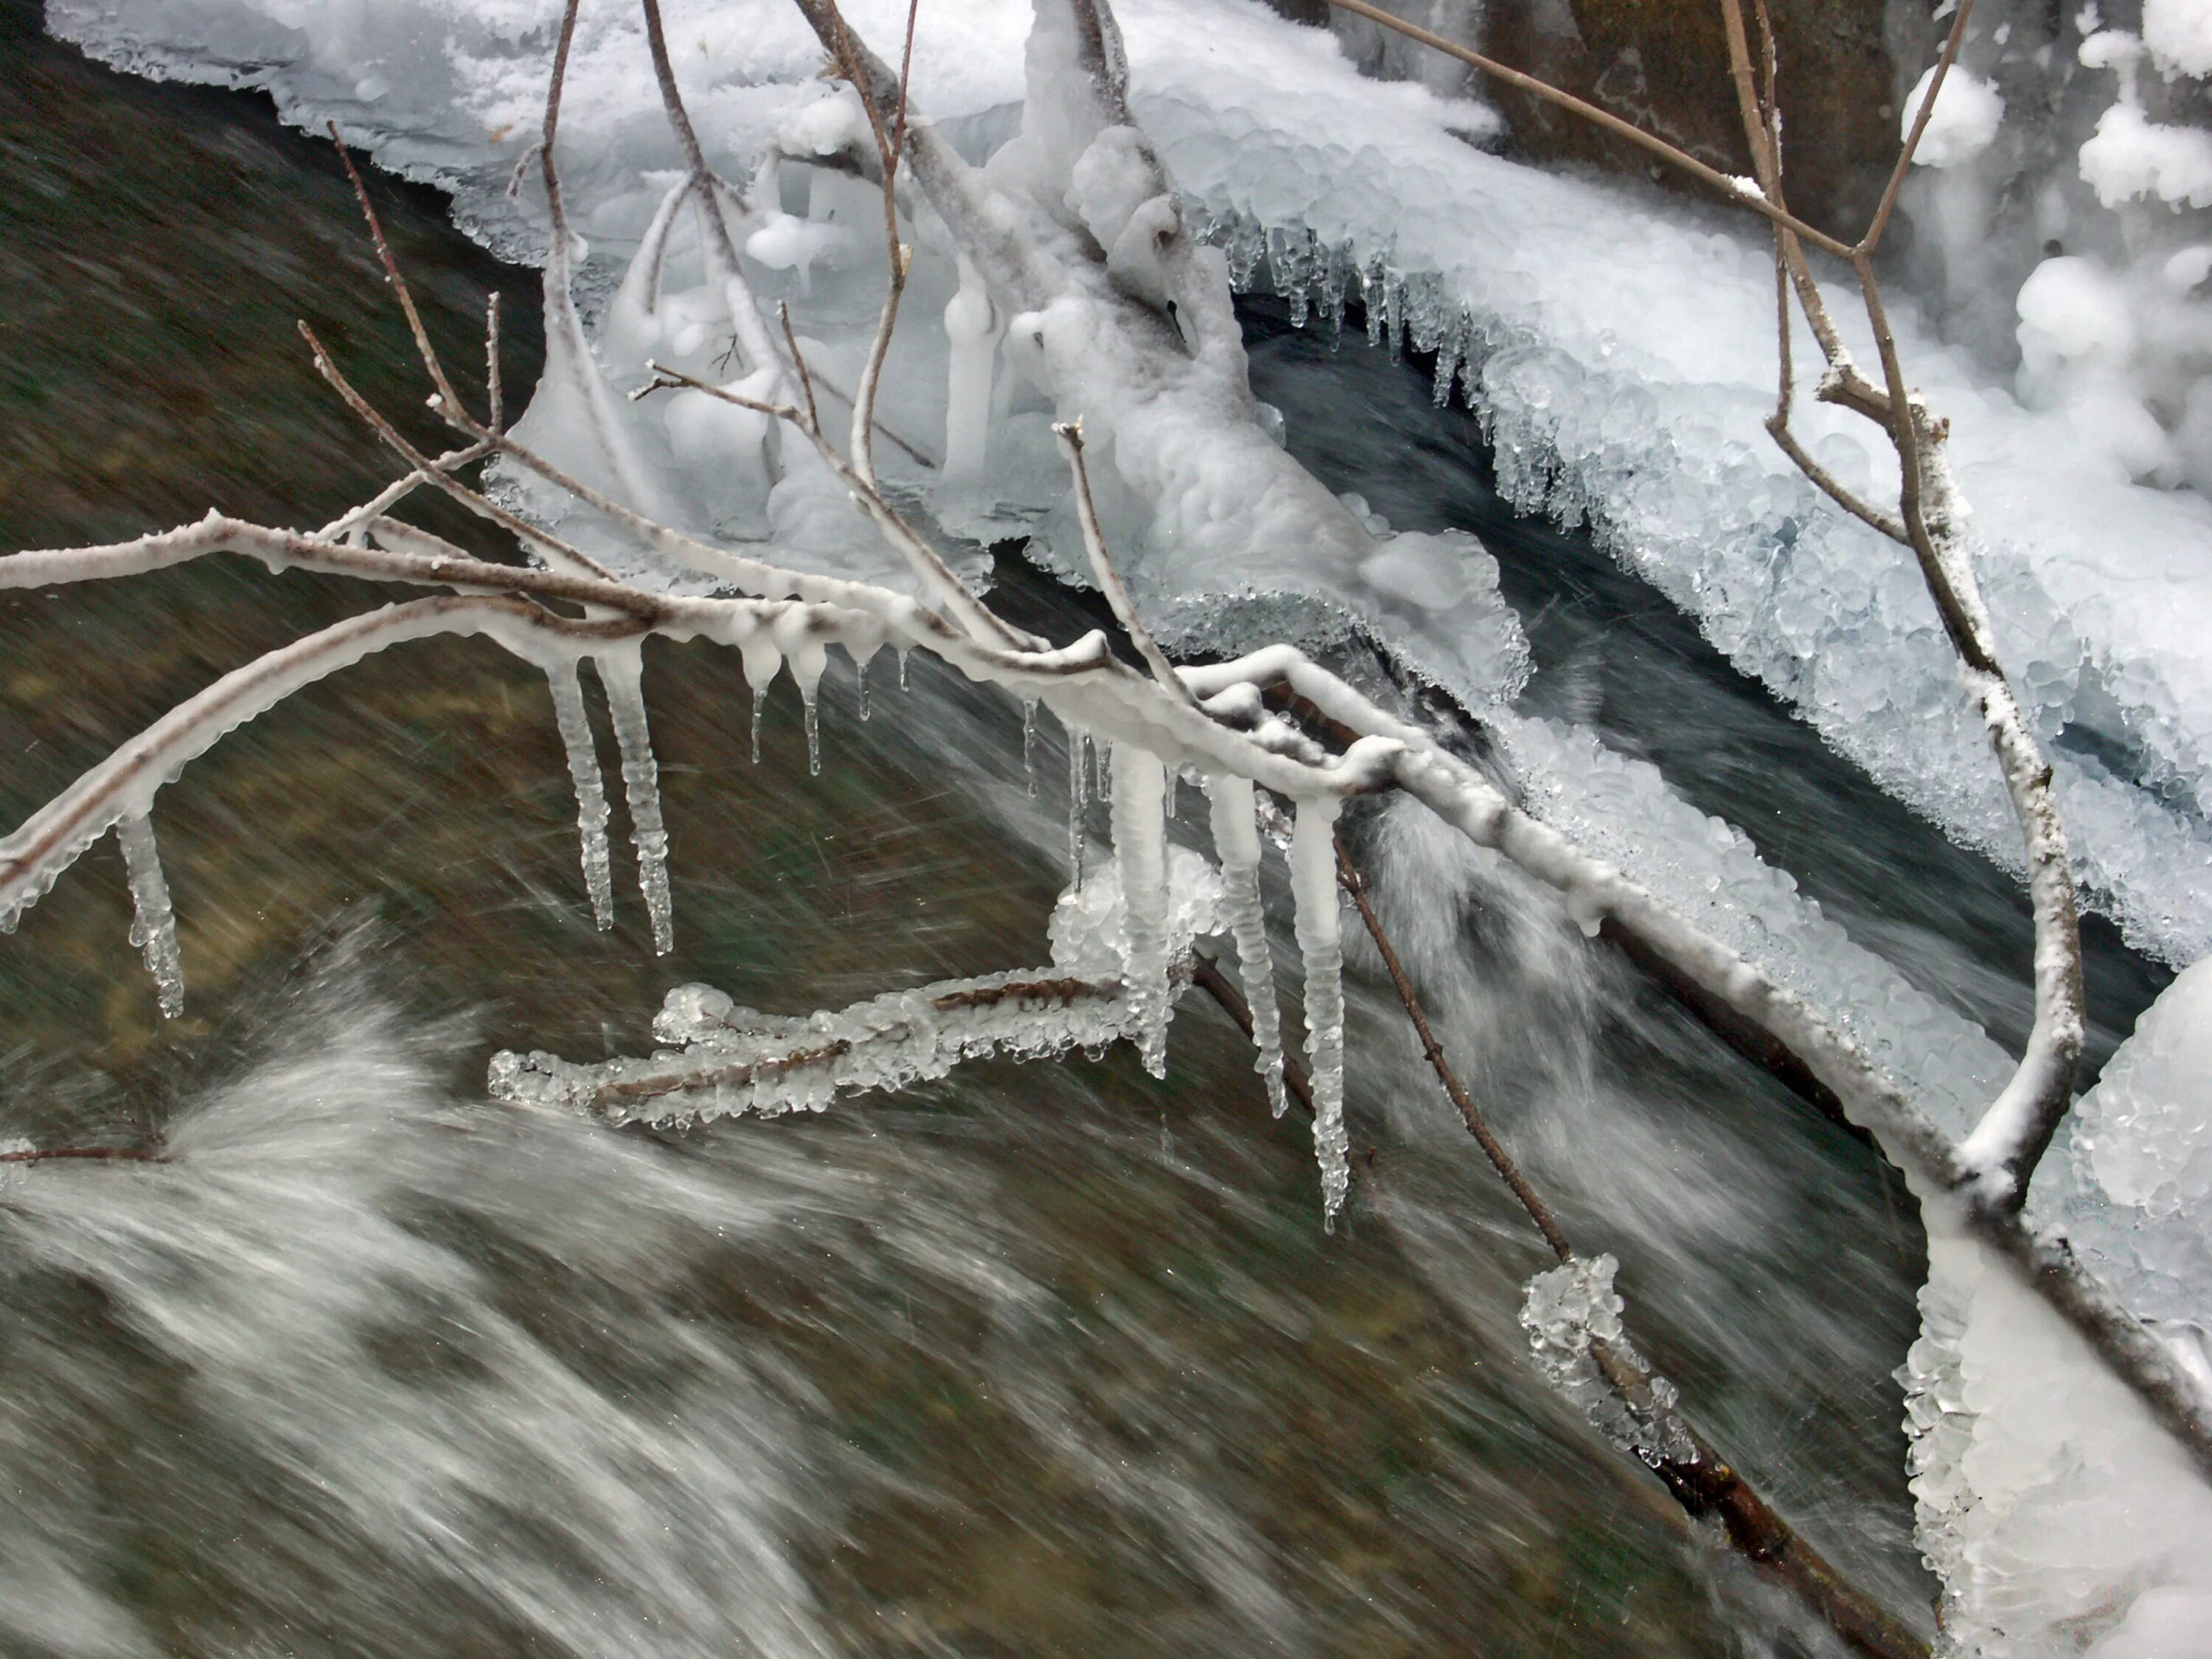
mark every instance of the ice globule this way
{"type": "Point", "coordinates": [592, 809]}
{"type": "Point", "coordinates": [1140, 860]}
{"type": "Point", "coordinates": [622, 673]}
{"type": "Point", "coordinates": [1321, 946]}
{"type": "Point", "coordinates": [153, 919]}
{"type": "Point", "coordinates": [1236, 844]}
{"type": "Point", "coordinates": [1565, 1310]}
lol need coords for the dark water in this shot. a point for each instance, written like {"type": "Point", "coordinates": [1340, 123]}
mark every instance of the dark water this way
{"type": "Point", "coordinates": [1052, 1358]}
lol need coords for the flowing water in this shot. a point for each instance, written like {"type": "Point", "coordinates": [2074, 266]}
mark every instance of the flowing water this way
{"type": "Point", "coordinates": [1042, 1359]}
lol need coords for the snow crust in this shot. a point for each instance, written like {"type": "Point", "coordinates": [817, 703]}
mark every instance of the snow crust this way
{"type": "Point", "coordinates": [2061, 1519]}
{"type": "Point", "coordinates": [1619, 347]}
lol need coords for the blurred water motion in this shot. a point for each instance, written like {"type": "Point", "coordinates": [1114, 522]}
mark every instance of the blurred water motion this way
{"type": "Point", "coordinates": [1043, 1359]}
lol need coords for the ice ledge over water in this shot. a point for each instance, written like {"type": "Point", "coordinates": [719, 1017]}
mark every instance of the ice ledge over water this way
{"type": "Point", "coordinates": [1618, 347]}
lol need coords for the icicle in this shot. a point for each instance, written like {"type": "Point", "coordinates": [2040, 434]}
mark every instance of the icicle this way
{"type": "Point", "coordinates": [622, 673]}
{"type": "Point", "coordinates": [1140, 854]}
{"type": "Point", "coordinates": [1102, 765]}
{"type": "Point", "coordinates": [1078, 740]}
{"type": "Point", "coordinates": [860, 680]}
{"type": "Point", "coordinates": [1313, 885]}
{"type": "Point", "coordinates": [763, 663]}
{"type": "Point", "coordinates": [1237, 843]}
{"type": "Point", "coordinates": [813, 735]}
{"type": "Point", "coordinates": [1175, 790]}
{"type": "Point", "coordinates": [903, 656]}
{"type": "Point", "coordinates": [592, 812]}
{"type": "Point", "coordinates": [972, 326]}
{"type": "Point", "coordinates": [1029, 743]}
{"type": "Point", "coordinates": [154, 923]}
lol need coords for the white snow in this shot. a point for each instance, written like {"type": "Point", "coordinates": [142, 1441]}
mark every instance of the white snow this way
{"type": "Point", "coordinates": [1965, 118]}
{"type": "Point", "coordinates": [2180, 34]}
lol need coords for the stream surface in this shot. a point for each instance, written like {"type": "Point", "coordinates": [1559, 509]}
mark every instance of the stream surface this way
{"type": "Point", "coordinates": [1052, 1358]}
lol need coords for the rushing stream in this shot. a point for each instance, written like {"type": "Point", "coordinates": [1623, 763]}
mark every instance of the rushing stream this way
{"type": "Point", "coordinates": [1043, 1359]}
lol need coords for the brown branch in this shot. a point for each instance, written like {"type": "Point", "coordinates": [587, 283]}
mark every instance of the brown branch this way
{"type": "Point", "coordinates": [1671, 153]}
{"type": "Point", "coordinates": [1889, 193]}
{"type": "Point", "coordinates": [1349, 877]}
{"type": "Point", "coordinates": [1206, 974]}
{"type": "Point", "coordinates": [118, 1154]}
{"type": "Point", "coordinates": [559, 550]}
{"type": "Point", "coordinates": [1704, 1484]}
{"type": "Point", "coordinates": [391, 273]}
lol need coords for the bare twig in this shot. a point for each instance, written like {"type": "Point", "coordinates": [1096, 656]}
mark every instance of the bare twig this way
{"type": "Point", "coordinates": [1350, 879]}
{"type": "Point", "coordinates": [1674, 155]}
{"type": "Point", "coordinates": [1703, 1482]}
{"type": "Point", "coordinates": [1904, 163]}
{"type": "Point", "coordinates": [118, 1154]}
{"type": "Point", "coordinates": [1070, 434]}
{"type": "Point", "coordinates": [392, 275]}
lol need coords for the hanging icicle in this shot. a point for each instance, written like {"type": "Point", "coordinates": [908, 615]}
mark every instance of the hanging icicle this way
{"type": "Point", "coordinates": [1029, 745]}
{"type": "Point", "coordinates": [591, 810]}
{"type": "Point", "coordinates": [1141, 857]}
{"type": "Point", "coordinates": [622, 671]}
{"type": "Point", "coordinates": [1237, 843]}
{"type": "Point", "coordinates": [860, 682]}
{"type": "Point", "coordinates": [1313, 886]}
{"type": "Point", "coordinates": [1077, 741]}
{"type": "Point", "coordinates": [153, 921]}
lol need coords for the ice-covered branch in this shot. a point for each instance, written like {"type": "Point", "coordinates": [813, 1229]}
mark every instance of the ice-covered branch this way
{"type": "Point", "coordinates": [733, 1060]}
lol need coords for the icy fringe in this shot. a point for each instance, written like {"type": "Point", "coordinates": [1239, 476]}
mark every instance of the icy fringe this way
{"type": "Point", "coordinates": [1091, 337]}
{"type": "Point", "coordinates": [1115, 970]}
{"type": "Point", "coordinates": [1841, 628]}
{"type": "Point", "coordinates": [1567, 1309]}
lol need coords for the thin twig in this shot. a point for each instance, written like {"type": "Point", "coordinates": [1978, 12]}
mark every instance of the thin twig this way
{"type": "Point", "coordinates": [556, 549]}
{"type": "Point", "coordinates": [1672, 154]}
{"type": "Point", "coordinates": [1350, 879]}
{"type": "Point", "coordinates": [1070, 434]}
{"type": "Point", "coordinates": [1957, 37]}
{"type": "Point", "coordinates": [118, 1154]}
{"type": "Point", "coordinates": [392, 275]}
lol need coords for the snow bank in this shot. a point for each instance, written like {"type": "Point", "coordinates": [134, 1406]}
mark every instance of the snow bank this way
{"type": "Point", "coordinates": [1617, 347]}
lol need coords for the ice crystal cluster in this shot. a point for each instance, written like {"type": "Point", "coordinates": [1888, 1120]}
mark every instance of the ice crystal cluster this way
{"type": "Point", "coordinates": [1564, 1311]}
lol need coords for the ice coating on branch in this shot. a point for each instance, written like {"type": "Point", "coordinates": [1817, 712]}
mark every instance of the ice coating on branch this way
{"type": "Point", "coordinates": [2061, 1518]}
{"type": "Point", "coordinates": [1618, 347]}
{"type": "Point", "coordinates": [1320, 947]}
{"type": "Point", "coordinates": [1237, 843]}
{"type": "Point", "coordinates": [153, 918]}
{"type": "Point", "coordinates": [2128, 1180]}
{"type": "Point", "coordinates": [736, 1061]}
{"type": "Point", "coordinates": [592, 809]}
{"type": "Point", "coordinates": [623, 674]}
{"type": "Point", "coordinates": [1089, 930]}
{"type": "Point", "coordinates": [1566, 1309]}
{"type": "Point", "coordinates": [1141, 860]}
